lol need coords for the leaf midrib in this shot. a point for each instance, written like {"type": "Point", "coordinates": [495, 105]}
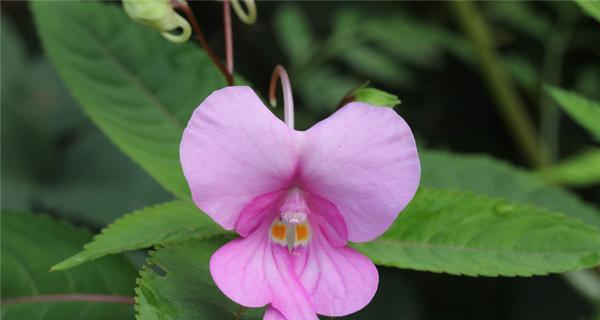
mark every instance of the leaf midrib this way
{"type": "Point", "coordinates": [131, 76]}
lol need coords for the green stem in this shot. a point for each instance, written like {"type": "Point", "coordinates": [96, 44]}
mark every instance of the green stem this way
{"type": "Point", "coordinates": [511, 107]}
{"type": "Point", "coordinates": [555, 49]}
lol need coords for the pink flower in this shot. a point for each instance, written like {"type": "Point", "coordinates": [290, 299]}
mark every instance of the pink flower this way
{"type": "Point", "coordinates": [296, 198]}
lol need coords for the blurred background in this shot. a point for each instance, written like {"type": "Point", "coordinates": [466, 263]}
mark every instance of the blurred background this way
{"type": "Point", "coordinates": [55, 160]}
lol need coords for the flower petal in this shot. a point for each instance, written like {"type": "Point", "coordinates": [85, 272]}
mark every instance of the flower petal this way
{"type": "Point", "coordinates": [273, 314]}
{"type": "Point", "coordinates": [339, 280]}
{"type": "Point", "coordinates": [259, 209]}
{"type": "Point", "coordinates": [364, 160]}
{"type": "Point", "coordinates": [233, 150]}
{"type": "Point", "coordinates": [326, 215]}
{"type": "Point", "coordinates": [254, 271]}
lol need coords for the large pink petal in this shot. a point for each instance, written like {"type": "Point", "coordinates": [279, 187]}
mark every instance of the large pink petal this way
{"type": "Point", "coordinates": [273, 314]}
{"type": "Point", "coordinates": [254, 271]}
{"type": "Point", "coordinates": [364, 160]}
{"type": "Point", "coordinates": [339, 280]}
{"type": "Point", "coordinates": [233, 150]}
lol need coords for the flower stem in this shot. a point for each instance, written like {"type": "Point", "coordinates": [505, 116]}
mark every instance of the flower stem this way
{"type": "Point", "coordinates": [288, 101]}
{"type": "Point", "coordinates": [511, 107]}
{"type": "Point", "coordinates": [70, 297]}
{"type": "Point", "coordinates": [228, 36]}
{"type": "Point", "coordinates": [202, 40]}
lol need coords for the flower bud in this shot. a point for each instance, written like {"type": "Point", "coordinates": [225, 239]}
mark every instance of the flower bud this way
{"type": "Point", "coordinates": [160, 15]}
{"type": "Point", "coordinates": [250, 16]}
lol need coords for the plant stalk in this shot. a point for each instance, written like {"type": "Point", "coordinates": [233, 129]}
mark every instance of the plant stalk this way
{"type": "Point", "coordinates": [511, 107]}
{"type": "Point", "coordinates": [555, 49]}
{"type": "Point", "coordinates": [202, 40]}
{"type": "Point", "coordinates": [227, 27]}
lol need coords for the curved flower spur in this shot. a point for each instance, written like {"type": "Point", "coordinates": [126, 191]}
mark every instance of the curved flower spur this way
{"type": "Point", "coordinates": [296, 198]}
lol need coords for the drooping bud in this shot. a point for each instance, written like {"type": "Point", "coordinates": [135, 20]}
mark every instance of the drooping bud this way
{"type": "Point", "coordinates": [160, 15]}
{"type": "Point", "coordinates": [250, 16]}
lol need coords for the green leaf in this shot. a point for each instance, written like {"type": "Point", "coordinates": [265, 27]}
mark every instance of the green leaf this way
{"type": "Point", "coordinates": [583, 111]}
{"type": "Point", "coordinates": [294, 34]}
{"type": "Point", "coordinates": [30, 245]}
{"type": "Point", "coordinates": [521, 16]}
{"type": "Point", "coordinates": [462, 233]}
{"type": "Point", "coordinates": [591, 7]}
{"type": "Point", "coordinates": [406, 38]}
{"type": "Point", "coordinates": [587, 81]}
{"type": "Point", "coordinates": [52, 155]}
{"type": "Point", "coordinates": [165, 223]}
{"type": "Point", "coordinates": [376, 65]}
{"type": "Point", "coordinates": [324, 88]}
{"type": "Point", "coordinates": [581, 170]}
{"type": "Point", "coordinates": [30, 125]}
{"type": "Point", "coordinates": [137, 87]}
{"type": "Point", "coordinates": [376, 97]}
{"type": "Point", "coordinates": [186, 291]}
{"type": "Point", "coordinates": [489, 176]}
{"type": "Point", "coordinates": [522, 71]}
{"type": "Point", "coordinates": [98, 183]}
{"type": "Point", "coordinates": [13, 54]}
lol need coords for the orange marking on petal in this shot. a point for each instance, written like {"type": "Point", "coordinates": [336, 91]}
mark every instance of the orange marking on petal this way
{"type": "Point", "coordinates": [278, 231]}
{"type": "Point", "coordinates": [302, 232]}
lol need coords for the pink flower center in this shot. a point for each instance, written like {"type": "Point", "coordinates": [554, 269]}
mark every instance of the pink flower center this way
{"type": "Point", "coordinates": [291, 228]}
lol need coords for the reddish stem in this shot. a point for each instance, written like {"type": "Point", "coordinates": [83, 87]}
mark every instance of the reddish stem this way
{"type": "Point", "coordinates": [201, 39]}
{"type": "Point", "coordinates": [228, 35]}
{"type": "Point", "coordinates": [70, 297]}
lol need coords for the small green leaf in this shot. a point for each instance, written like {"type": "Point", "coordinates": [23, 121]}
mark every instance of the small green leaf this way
{"type": "Point", "coordinates": [462, 233]}
{"type": "Point", "coordinates": [140, 90]}
{"type": "Point", "coordinates": [583, 111]}
{"type": "Point", "coordinates": [489, 176]}
{"type": "Point", "coordinates": [165, 223]}
{"type": "Point", "coordinates": [581, 170]}
{"type": "Point", "coordinates": [591, 7]}
{"type": "Point", "coordinates": [30, 245]}
{"type": "Point", "coordinates": [187, 290]}
{"type": "Point", "coordinates": [376, 97]}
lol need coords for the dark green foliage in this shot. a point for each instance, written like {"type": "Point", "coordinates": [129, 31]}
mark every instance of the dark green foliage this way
{"type": "Point", "coordinates": [158, 225]}
{"type": "Point", "coordinates": [30, 245]}
{"type": "Point", "coordinates": [125, 90]}
{"type": "Point", "coordinates": [462, 233]}
{"type": "Point", "coordinates": [184, 289]}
